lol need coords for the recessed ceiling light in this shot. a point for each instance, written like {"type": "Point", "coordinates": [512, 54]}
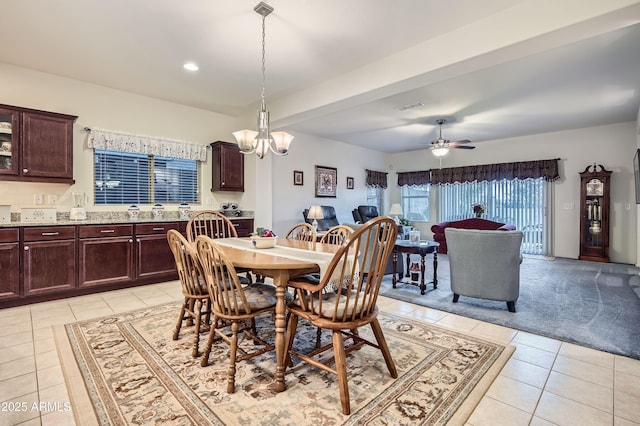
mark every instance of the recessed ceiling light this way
{"type": "Point", "coordinates": [190, 66]}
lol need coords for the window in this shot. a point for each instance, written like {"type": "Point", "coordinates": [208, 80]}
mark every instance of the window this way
{"type": "Point", "coordinates": [129, 178]}
{"type": "Point", "coordinates": [374, 197]}
{"type": "Point", "coordinates": [415, 202]}
{"type": "Point", "coordinates": [520, 202]}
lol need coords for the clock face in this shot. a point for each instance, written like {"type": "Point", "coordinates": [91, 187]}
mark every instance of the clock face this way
{"type": "Point", "coordinates": [595, 187]}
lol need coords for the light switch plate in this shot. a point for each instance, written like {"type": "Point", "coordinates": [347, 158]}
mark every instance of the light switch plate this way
{"type": "Point", "coordinates": [38, 215]}
{"type": "Point", "coordinates": [5, 214]}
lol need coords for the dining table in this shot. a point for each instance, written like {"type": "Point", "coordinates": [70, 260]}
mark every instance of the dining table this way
{"type": "Point", "coordinates": [289, 258]}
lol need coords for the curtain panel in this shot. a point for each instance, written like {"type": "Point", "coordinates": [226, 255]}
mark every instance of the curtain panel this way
{"type": "Point", "coordinates": [414, 178]}
{"type": "Point", "coordinates": [376, 179]}
{"type": "Point", "coordinates": [151, 145]}
{"type": "Point", "coordinates": [547, 169]}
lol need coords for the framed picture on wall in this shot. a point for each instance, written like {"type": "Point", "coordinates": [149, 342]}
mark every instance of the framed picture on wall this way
{"type": "Point", "coordinates": [326, 181]}
{"type": "Point", "coordinates": [298, 177]}
{"type": "Point", "coordinates": [349, 183]}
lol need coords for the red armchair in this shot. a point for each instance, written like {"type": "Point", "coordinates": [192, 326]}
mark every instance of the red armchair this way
{"type": "Point", "coordinates": [471, 223]}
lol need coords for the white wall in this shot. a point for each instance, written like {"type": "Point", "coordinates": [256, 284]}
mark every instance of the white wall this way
{"type": "Point", "coordinates": [101, 107]}
{"type": "Point", "coordinates": [613, 146]}
{"type": "Point", "coordinates": [306, 152]}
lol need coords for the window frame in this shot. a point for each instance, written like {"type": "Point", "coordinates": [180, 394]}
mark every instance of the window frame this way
{"type": "Point", "coordinates": [405, 202]}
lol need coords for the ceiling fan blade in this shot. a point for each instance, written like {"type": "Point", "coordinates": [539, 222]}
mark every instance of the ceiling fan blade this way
{"type": "Point", "coordinates": [462, 146]}
{"type": "Point", "coordinates": [460, 142]}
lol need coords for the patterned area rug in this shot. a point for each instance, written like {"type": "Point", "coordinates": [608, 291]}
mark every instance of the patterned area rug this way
{"type": "Point", "coordinates": [125, 369]}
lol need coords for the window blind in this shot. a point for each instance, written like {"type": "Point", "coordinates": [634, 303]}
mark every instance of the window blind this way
{"type": "Point", "coordinates": [132, 178]}
{"type": "Point", "coordinates": [517, 201]}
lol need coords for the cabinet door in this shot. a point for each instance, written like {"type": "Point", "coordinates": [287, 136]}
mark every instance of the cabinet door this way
{"type": "Point", "coordinates": [47, 146]}
{"type": "Point", "coordinates": [228, 167]}
{"type": "Point", "coordinates": [9, 131]}
{"type": "Point", "coordinates": [154, 257]}
{"type": "Point", "coordinates": [154, 260]}
{"type": "Point", "coordinates": [49, 266]}
{"type": "Point", "coordinates": [9, 270]}
{"type": "Point", "coordinates": [105, 261]}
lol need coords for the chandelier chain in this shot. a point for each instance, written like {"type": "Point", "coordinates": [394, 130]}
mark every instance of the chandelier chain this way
{"type": "Point", "coordinates": [263, 61]}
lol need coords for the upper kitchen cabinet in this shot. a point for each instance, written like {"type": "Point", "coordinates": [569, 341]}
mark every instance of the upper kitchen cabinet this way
{"type": "Point", "coordinates": [227, 167]}
{"type": "Point", "coordinates": [36, 146]}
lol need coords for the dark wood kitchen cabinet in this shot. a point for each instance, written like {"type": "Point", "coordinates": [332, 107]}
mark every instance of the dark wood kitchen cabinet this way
{"type": "Point", "coordinates": [244, 227]}
{"type": "Point", "coordinates": [36, 146]}
{"type": "Point", "coordinates": [227, 167]}
{"type": "Point", "coordinates": [105, 255]}
{"type": "Point", "coordinates": [50, 262]}
{"type": "Point", "coordinates": [9, 264]}
{"type": "Point", "coordinates": [154, 259]}
{"type": "Point", "coordinates": [49, 259]}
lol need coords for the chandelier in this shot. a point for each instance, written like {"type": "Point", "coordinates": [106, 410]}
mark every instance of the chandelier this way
{"type": "Point", "coordinates": [260, 142]}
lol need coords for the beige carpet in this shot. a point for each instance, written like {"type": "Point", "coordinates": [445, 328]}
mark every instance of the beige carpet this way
{"type": "Point", "coordinates": [125, 369]}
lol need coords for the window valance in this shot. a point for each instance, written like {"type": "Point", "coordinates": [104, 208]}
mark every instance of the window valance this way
{"type": "Point", "coordinates": [547, 169]}
{"type": "Point", "coordinates": [376, 179]}
{"type": "Point", "coordinates": [150, 145]}
{"type": "Point", "coordinates": [422, 177]}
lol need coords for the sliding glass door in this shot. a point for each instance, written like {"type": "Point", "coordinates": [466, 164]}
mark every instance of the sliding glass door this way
{"type": "Point", "coordinates": [518, 202]}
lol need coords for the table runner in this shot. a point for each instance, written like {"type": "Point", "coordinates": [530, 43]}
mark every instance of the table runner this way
{"type": "Point", "coordinates": [319, 258]}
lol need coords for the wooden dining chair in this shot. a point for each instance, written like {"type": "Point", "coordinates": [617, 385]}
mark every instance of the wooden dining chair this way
{"type": "Point", "coordinates": [196, 304]}
{"type": "Point", "coordinates": [215, 225]}
{"type": "Point", "coordinates": [211, 223]}
{"type": "Point", "coordinates": [336, 234]}
{"type": "Point", "coordinates": [303, 232]}
{"type": "Point", "coordinates": [345, 300]}
{"type": "Point", "coordinates": [234, 307]}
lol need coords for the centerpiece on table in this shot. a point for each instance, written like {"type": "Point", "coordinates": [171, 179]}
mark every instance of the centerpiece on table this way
{"type": "Point", "coordinates": [263, 238]}
{"type": "Point", "coordinates": [479, 209]}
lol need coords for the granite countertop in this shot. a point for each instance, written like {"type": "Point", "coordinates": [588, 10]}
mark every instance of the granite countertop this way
{"type": "Point", "coordinates": [107, 218]}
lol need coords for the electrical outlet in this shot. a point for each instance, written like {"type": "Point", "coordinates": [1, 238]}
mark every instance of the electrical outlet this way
{"type": "Point", "coordinates": [52, 199]}
{"type": "Point", "coordinates": [38, 199]}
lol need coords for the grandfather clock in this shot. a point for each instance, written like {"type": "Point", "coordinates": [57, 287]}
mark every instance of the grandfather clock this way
{"type": "Point", "coordinates": [594, 213]}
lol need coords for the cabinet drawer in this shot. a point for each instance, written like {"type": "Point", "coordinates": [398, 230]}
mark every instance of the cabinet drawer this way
{"type": "Point", "coordinates": [49, 233]}
{"type": "Point", "coordinates": [99, 231]}
{"type": "Point", "coordinates": [156, 228]}
{"type": "Point", "coordinates": [8, 235]}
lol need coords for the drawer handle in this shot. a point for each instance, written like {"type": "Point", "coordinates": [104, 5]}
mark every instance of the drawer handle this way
{"type": "Point", "coordinates": [108, 231]}
{"type": "Point", "coordinates": [236, 225]}
{"type": "Point", "coordinates": [50, 234]}
{"type": "Point", "coordinates": [158, 229]}
{"type": "Point", "coordinates": [26, 248]}
{"type": "Point", "coordinates": [25, 171]}
{"type": "Point", "coordinates": [130, 240]}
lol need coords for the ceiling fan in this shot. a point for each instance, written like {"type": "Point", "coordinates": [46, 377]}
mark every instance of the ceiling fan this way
{"type": "Point", "coordinates": [440, 147]}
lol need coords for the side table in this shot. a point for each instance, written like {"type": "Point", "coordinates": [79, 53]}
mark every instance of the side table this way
{"type": "Point", "coordinates": [422, 248]}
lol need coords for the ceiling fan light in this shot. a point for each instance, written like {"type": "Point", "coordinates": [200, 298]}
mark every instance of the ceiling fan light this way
{"type": "Point", "coordinates": [440, 151]}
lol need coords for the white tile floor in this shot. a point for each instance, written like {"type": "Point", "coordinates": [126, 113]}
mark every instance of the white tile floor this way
{"type": "Point", "coordinates": [546, 382]}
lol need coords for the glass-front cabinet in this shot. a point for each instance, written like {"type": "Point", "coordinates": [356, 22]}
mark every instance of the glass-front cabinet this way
{"type": "Point", "coordinates": [9, 128]}
{"type": "Point", "coordinates": [594, 213]}
{"type": "Point", "coordinates": [36, 146]}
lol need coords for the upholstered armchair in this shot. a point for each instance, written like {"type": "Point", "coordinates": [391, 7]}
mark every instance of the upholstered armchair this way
{"type": "Point", "coordinates": [367, 213]}
{"type": "Point", "coordinates": [485, 264]}
{"type": "Point", "coordinates": [328, 220]}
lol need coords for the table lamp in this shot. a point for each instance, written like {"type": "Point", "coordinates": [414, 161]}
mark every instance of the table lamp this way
{"type": "Point", "coordinates": [395, 210]}
{"type": "Point", "coordinates": [315, 213]}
